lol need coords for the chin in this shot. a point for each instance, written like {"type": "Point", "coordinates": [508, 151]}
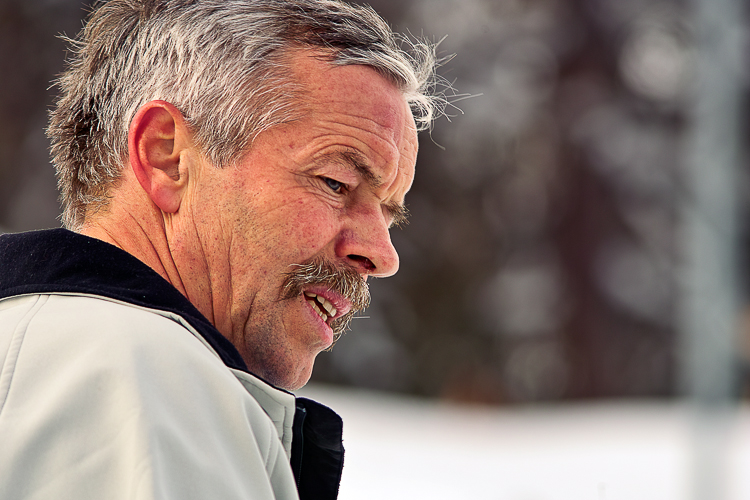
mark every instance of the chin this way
{"type": "Point", "coordinates": [290, 380]}
{"type": "Point", "coordinates": [299, 382]}
{"type": "Point", "coordinates": [287, 385]}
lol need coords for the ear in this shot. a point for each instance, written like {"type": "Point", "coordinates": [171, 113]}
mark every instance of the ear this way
{"type": "Point", "coordinates": [157, 137]}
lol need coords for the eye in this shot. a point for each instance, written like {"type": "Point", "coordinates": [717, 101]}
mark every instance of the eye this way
{"type": "Point", "coordinates": [335, 185]}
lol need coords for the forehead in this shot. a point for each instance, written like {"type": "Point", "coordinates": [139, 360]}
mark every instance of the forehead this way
{"type": "Point", "coordinates": [359, 86]}
{"type": "Point", "coordinates": [359, 100]}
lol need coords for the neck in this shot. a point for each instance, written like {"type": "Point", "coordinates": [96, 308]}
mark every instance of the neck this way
{"type": "Point", "coordinates": [134, 234]}
{"type": "Point", "coordinates": [141, 229]}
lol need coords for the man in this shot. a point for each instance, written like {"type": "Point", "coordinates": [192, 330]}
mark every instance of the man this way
{"type": "Point", "coordinates": [229, 170]}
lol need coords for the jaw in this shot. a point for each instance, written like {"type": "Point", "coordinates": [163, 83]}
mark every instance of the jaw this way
{"type": "Point", "coordinates": [280, 342]}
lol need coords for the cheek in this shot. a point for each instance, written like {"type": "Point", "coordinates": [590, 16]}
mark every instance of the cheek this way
{"type": "Point", "coordinates": [311, 228]}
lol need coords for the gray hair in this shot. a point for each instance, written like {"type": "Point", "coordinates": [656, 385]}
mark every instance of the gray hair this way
{"type": "Point", "coordinates": [221, 63]}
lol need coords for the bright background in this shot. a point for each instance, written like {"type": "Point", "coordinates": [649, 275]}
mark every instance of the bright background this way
{"type": "Point", "coordinates": [403, 448]}
{"type": "Point", "coordinates": [573, 281]}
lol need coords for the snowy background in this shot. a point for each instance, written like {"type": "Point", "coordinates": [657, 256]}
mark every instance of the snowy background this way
{"type": "Point", "coordinates": [403, 448]}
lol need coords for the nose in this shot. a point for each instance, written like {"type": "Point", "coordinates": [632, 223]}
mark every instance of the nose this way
{"type": "Point", "coordinates": [365, 244]}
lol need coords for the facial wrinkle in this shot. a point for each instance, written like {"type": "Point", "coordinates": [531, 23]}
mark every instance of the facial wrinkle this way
{"type": "Point", "coordinates": [209, 278]}
{"type": "Point", "coordinates": [180, 285]}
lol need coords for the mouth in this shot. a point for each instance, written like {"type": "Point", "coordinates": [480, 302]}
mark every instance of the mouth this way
{"type": "Point", "coordinates": [321, 306]}
{"type": "Point", "coordinates": [333, 292]}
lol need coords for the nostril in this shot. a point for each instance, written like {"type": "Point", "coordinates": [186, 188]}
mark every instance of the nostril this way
{"type": "Point", "coordinates": [363, 261]}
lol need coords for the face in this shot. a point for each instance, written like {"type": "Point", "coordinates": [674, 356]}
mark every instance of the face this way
{"type": "Point", "coordinates": [322, 190]}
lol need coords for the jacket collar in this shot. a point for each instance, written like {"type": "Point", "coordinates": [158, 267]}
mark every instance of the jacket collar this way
{"type": "Point", "coordinates": [58, 260]}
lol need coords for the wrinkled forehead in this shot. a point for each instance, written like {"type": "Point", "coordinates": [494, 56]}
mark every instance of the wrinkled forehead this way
{"type": "Point", "coordinates": [357, 90]}
{"type": "Point", "coordinates": [355, 108]}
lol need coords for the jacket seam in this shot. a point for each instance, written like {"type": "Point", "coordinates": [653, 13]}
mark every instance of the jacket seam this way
{"type": "Point", "coordinates": [271, 461]}
{"type": "Point", "coordinates": [14, 350]}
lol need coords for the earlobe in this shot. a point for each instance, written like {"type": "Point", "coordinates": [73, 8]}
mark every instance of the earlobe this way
{"type": "Point", "coordinates": [157, 138]}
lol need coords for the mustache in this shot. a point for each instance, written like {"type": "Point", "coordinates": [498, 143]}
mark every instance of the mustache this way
{"type": "Point", "coordinates": [339, 278]}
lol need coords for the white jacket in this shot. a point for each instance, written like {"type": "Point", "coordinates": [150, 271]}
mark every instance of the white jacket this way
{"type": "Point", "coordinates": [105, 400]}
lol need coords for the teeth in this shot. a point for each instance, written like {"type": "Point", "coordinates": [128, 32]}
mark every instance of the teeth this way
{"type": "Point", "coordinates": [317, 310]}
{"type": "Point", "coordinates": [316, 301]}
{"type": "Point", "coordinates": [328, 306]}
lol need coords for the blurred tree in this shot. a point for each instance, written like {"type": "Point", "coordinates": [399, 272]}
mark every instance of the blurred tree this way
{"type": "Point", "coordinates": [30, 57]}
{"type": "Point", "coordinates": [540, 261]}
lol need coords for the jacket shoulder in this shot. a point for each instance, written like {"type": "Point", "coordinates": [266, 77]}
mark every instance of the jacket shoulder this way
{"type": "Point", "coordinates": [104, 399]}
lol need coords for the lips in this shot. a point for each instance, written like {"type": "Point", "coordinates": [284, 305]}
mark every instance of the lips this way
{"type": "Point", "coordinates": [327, 303]}
{"type": "Point", "coordinates": [335, 292]}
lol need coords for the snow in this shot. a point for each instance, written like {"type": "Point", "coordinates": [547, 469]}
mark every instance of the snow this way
{"type": "Point", "coordinates": [399, 447]}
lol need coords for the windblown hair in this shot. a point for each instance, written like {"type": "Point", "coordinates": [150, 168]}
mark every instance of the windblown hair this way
{"type": "Point", "coordinates": [222, 64]}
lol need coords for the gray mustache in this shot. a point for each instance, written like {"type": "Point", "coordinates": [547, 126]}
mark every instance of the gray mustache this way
{"type": "Point", "coordinates": [338, 278]}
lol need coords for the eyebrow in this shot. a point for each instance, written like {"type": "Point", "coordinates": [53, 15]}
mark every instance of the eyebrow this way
{"type": "Point", "coordinates": [398, 212]}
{"type": "Point", "coordinates": [355, 160]}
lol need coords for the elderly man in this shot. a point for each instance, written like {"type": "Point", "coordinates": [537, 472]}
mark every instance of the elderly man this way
{"type": "Point", "coordinates": [229, 171]}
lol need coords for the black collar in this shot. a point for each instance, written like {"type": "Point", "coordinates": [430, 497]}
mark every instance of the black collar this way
{"type": "Point", "coordinates": [58, 260]}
